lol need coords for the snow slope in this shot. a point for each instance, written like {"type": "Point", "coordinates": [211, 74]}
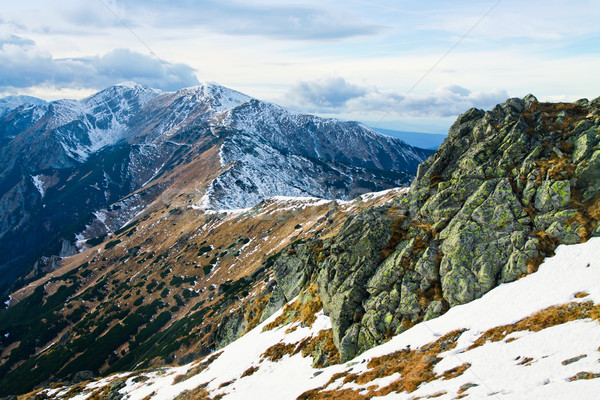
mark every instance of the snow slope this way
{"type": "Point", "coordinates": [554, 359]}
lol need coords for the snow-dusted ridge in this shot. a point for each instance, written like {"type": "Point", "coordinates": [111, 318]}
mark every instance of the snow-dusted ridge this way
{"type": "Point", "coordinates": [232, 148]}
{"type": "Point", "coordinates": [525, 364]}
{"type": "Point", "coordinates": [10, 103]}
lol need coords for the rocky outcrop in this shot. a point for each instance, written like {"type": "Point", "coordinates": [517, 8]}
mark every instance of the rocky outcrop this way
{"type": "Point", "coordinates": [505, 188]}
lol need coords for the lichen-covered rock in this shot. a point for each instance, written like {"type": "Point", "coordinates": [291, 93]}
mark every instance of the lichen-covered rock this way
{"type": "Point", "coordinates": [276, 301]}
{"type": "Point", "coordinates": [344, 274]}
{"type": "Point", "coordinates": [391, 271]}
{"type": "Point", "coordinates": [504, 189]}
{"type": "Point", "coordinates": [553, 195]}
{"type": "Point", "coordinates": [588, 176]}
{"type": "Point", "coordinates": [293, 268]}
{"type": "Point", "coordinates": [434, 310]}
{"type": "Point", "coordinates": [231, 327]}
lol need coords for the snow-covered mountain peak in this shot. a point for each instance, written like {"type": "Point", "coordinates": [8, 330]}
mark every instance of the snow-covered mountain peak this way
{"type": "Point", "coordinates": [125, 93]}
{"type": "Point", "coordinates": [219, 97]}
{"type": "Point", "coordinates": [134, 85]}
{"type": "Point", "coordinates": [88, 125]}
{"type": "Point", "coordinates": [9, 103]}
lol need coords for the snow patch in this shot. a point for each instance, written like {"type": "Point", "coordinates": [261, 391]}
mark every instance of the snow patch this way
{"type": "Point", "coordinates": [39, 184]}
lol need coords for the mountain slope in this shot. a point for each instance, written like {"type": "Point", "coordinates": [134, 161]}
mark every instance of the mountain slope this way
{"type": "Point", "coordinates": [507, 187]}
{"type": "Point", "coordinates": [524, 349]}
{"type": "Point", "coordinates": [83, 168]}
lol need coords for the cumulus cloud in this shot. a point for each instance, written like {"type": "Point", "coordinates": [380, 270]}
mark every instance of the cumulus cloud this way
{"type": "Point", "coordinates": [336, 95]}
{"type": "Point", "coordinates": [23, 65]}
{"type": "Point", "coordinates": [327, 93]}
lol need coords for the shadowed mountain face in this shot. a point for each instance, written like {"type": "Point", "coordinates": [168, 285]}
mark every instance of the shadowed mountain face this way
{"type": "Point", "coordinates": [74, 170]}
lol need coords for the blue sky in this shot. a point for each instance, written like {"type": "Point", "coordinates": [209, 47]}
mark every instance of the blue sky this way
{"type": "Point", "coordinates": [353, 59]}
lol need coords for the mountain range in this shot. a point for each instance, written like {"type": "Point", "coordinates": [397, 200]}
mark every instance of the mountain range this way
{"type": "Point", "coordinates": [477, 281]}
{"type": "Point", "coordinates": [419, 139]}
{"type": "Point", "coordinates": [73, 171]}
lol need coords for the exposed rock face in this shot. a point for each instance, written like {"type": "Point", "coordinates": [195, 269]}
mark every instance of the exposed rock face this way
{"type": "Point", "coordinates": [344, 275]}
{"type": "Point", "coordinates": [503, 190]}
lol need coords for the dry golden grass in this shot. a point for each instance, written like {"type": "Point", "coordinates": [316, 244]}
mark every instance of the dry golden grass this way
{"type": "Point", "coordinates": [256, 311]}
{"type": "Point", "coordinates": [199, 393]}
{"type": "Point", "coordinates": [547, 245]}
{"type": "Point", "coordinates": [414, 366]}
{"type": "Point", "coordinates": [250, 371]}
{"type": "Point", "coordinates": [546, 318]}
{"type": "Point", "coordinates": [556, 168]}
{"type": "Point", "coordinates": [322, 342]}
{"type": "Point", "coordinates": [581, 295]}
{"type": "Point", "coordinates": [225, 384]}
{"type": "Point", "coordinates": [74, 391]}
{"type": "Point", "coordinates": [303, 310]}
{"type": "Point", "coordinates": [179, 378]}
{"type": "Point", "coordinates": [278, 351]}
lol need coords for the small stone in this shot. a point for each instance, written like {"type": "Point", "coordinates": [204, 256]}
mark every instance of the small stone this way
{"type": "Point", "coordinates": [466, 387]}
{"type": "Point", "coordinates": [574, 359]}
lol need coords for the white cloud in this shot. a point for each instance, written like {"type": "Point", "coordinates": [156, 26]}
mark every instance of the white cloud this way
{"type": "Point", "coordinates": [336, 95]}
{"type": "Point", "coordinates": [23, 65]}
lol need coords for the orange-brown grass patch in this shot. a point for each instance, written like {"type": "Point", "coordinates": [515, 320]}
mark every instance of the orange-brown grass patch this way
{"type": "Point", "coordinates": [199, 393]}
{"type": "Point", "coordinates": [581, 295]}
{"type": "Point", "coordinates": [179, 378]}
{"type": "Point", "coordinates": [250, 371]}
{"type": "Point", "coordinates": [74, 391]}
{"type": "Point", "coordinates": [431, 294]}
{"type": "Point", "coordinates": [567, 147]}
{"type": "Point", "coordinates": [546, 246]}
{"type": "Point", "coordinates": [278, 351]}
{"type": "Point", "coordinates": [225, 384]}
{"type": "Point", "coordinates": [303, 310]}
{"type": "Point", "coordinates": [533, 264]}
{"type": "Point", "coordinates": [556, 168]}
{"type": "Point", "coordinates": [414, 366]}
{"type": "Point", "coordinates": [593, 208]}
{"type": "Point", "coordinates": [256, 311]}
{"type": "Point", "coordinates": [322, 344]}
{"type": "Point", "coordinates": [454, 372]}
{"type": "Point", "coordinates": [526, 361]}
{"type": "Point", "coordinates": [551, 316]}
{"type": "Point", "coordinates": [99, 394]}
{"type": "Point", "coordinates": [587, 215]}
